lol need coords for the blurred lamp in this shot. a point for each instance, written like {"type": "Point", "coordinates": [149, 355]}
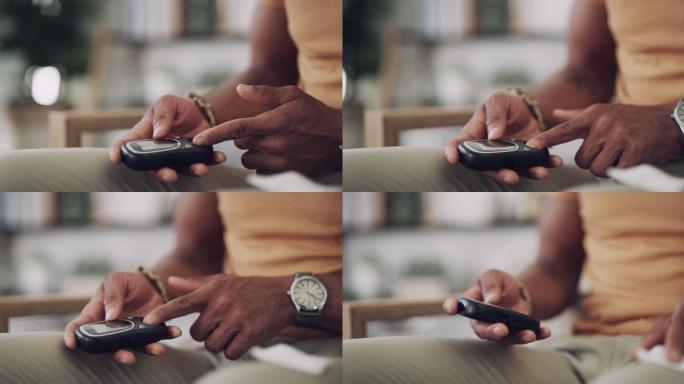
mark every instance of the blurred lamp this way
{"type": "Point", "coordinates": [45, 85]}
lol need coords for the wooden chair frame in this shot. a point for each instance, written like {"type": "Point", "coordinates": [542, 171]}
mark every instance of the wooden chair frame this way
{"type": "Point", "coordinates": [382, 127]}
{"type": "Point", "coordinates": [357, 314]}
{"type": "Point", "coordinates": [65, 128]}
{"type": "Point", "coordinates": [31, 305]}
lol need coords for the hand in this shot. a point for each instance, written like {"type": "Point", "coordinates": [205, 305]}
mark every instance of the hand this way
{"type": "Point", "coordinates": [668, 330]}
{"type": "Point", "coordinates": [501, 289]}
{"type": "Point", "coordinates": [300, 133]}
{"type": "Point", "coordinates": [122, 294]}
{"type": "Point", "coordinates": [501, 116]}
{"type": "Point", "coordinates": [169, 116]}
{"type": "Point", "coordinates": [235, 312]}
{"type": "Point", "coordinates": [616, 135]}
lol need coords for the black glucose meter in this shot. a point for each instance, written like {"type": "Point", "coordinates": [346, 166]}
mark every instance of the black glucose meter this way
{"type": "Point", "coordinates": [515, 321]}
{"type": "Point", "coordinates": [489, 155]}
{"type": "Point", "coordinates": [172, 152]}
{"type": "Point", "coordinates": [109, 336]}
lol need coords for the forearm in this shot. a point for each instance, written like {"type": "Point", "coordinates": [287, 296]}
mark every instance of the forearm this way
{"type": "Point", "coordinates": [574, 87]}
{"type": "Point", "coordinates": [550, 290]}
{"type": "Point", "coordinates": [228, 105]}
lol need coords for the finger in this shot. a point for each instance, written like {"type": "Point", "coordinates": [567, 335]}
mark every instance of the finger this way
{"type": "Point", "coordinates": [524, 337]}
{"type": "Point", "coordinates": [543, 333]}
{"type": "Point", "coordinates": [587, 152]}
{"type": "Point", "coordinates": [240, 344]}
{"type": "Point", "coordinates": [450, 306]}
{"type": "Point", "coordinates": [221, 337]}
{"type": "Point", "coordinates": [235, 129]}
{"type": "Point", "coordinates": [113, 296]}
{"type": "Point", "coordinates": [570, 130]}
{"type": "Point", "coordinates": [155, 349]}
{"type": "Point", "coordinates": [199, 169]}
{"type": "Point", "coordinates": [177, 307]}
{"type": "Point", "coordinates": [473, 130]}
{"type": "Point", "coordinates": [173, 331]}
{"type": "Point", "coordinates": [265, 162]}
{"type": "Point", "coordinates": [166, 175]}
{"type": "Point", "coordinates": [674, 339]}
{"type": "Point", "coordinates": [555, 161]}
{"type": "Point", "coordinates": [84, 317]}
{"type": "Point", "coordinates": [205, 324]}
{"type": "Point", "coordinates": [538, 173]}
{"type": "Point", "coordinates": [496, 108]}
{"type": "Point", "coordinates": [656, 335]}
{"type": "Point", "coordinates": [267, 95]}
{"type": "Point", "coordinates": [185, 285]}
{"type": "Point", "coordinates": [608, 157]}
{"type": "Point", "coordinates": [487, 331]}
{"type": "Point", "coordinates": [504, 176]}
{"type": "Point", "coordinates": [162, 119]}
{"type": "Point", "coordinates": [474, 292]}
{"type": "Point", "coordinates": [492, 286]}
{"type": "Point", "coordinates": [563, 115]}
{"type": "Point", "coordinates": [142, 129]}
{"type": "Point", "coordinates": [267, 144]}
{"type": "Point", "coordinates": [124, 357]}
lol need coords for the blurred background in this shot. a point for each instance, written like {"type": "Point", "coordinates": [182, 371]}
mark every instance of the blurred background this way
{"type": "Point", "coordinates": [90, 54]}
{"type": "Point", "coordinates": [408, 53]}
{"type": "Point", "coordinates": [67, 243]}
{"type": "Point", "coordinates": [429, 245]}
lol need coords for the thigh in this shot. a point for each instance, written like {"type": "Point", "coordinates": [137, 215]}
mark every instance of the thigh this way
{"type": "Point", "coordinates": [450, 361]}
{"type": "Point", "coordinates": [89, 170]}
{"type": "Point", "coordinates": [425, 169]}
{"type": "Point", "coordinates": [41, 357]}
{"type": "Point", "coordinates": [637, 373]}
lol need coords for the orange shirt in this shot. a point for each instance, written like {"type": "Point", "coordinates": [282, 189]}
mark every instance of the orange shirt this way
{"type": "Point", "coordinates": [635, 259]}
{"type": "Point", "coordinates": [650, 49]}
{"type": "Point", "coordinates": [316, 29]}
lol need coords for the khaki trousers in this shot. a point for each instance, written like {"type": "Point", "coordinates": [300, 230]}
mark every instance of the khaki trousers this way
{"type": "Point", "coordinates": [437, 360]}
{"type": "Point", "coordinates": [41, 357]}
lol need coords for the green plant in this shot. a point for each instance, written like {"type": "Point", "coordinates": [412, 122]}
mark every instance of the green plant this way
{"type": "Point", "coordinates": [362, 33]}
{"type": "Point", "coordinates": [49, 32]}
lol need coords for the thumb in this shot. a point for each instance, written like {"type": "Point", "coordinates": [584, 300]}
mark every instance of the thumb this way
{"type": "Point", "coordinates": [267, 95]}
{"type": "Point", "coordinates": [563, 115]}
{"type": "Point", "coordinates": [113, 301]}
{"type": "Point", "coordinates": [162, 119]}
{"type": "Point", "coordinates": [183, 285]}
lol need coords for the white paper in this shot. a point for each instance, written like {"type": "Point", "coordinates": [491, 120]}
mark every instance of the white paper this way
{"type": "Point", "coordinates": [657, 356]}
{"type": "Point", "coordinates": [287, 356]}
{"type": "Point", "coordinates": [648, 178]}
{"type": "Point", "coordinates": [288, 182]}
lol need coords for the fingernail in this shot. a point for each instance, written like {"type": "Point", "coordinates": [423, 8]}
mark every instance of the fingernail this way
{"type": "Point", "coordinates": [156, 350]}
{"type": "Point", "coordinates": [449, 306]}
{"type": "Point", "coordinates": [108, 314]}
{"type": "Point", "coordinates": [199, 140]}
{"type": "Point", "coordinates": [533, 144]}
{"type": "Point", "coordinates": [244, 88]}
{"type": "Point", "coordinates": [150, 319]}
{"type": "Point", "coordinates": [492, 132]}
{"type": "Point", "coordinates": [499, 330]}
{"type": "Point", "coordinates": [451, 155]}
{"type": "Point", "coordinates": [125, 360]}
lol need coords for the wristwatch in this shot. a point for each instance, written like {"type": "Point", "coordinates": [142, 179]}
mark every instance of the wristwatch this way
{"type": "Point", "coordinates": [678, 116]}
{"type": "Point", "coordinates": [309, 296]}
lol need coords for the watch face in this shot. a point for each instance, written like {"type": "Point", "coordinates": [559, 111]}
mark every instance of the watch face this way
{"type": "Point", "coordinates": [308, 293]}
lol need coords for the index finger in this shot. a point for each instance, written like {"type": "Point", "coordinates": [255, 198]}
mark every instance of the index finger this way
{"type": "Point", "coordinates": [236, 129]}
{"type": "Point", "coordinates": [562, 133]}
{"type": "Point", "coordinates": [177, 307]}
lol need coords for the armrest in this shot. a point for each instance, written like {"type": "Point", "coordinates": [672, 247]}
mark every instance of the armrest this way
{"type": "Point", "coordinates": [356, 314]}
{"type": "Point", "coordinates": [66, 127]}
{"type": "Point", "coordinates": [382, 127]}
{"type": "Point", "coordinates": [20, 305]}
